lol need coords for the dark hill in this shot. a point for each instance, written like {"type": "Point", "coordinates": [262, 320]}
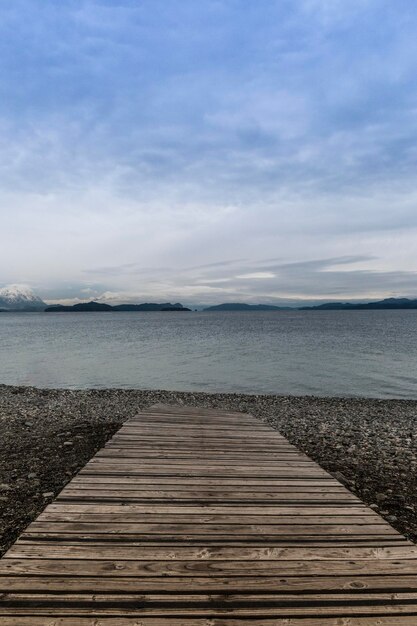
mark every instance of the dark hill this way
{"type": "Point", "coordinates": [150, 306]}
{"type": "Point", "coordinates": [388, 303]}
{"type": "Point", "coordinates": [99, 306]}
{"type": "Point", "coordinates": [80, 307]}
{"type": "Point", "coordinates": [238, 306]}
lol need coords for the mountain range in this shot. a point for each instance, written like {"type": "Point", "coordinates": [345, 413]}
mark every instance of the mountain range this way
{"type": "Point", "coordinates": [21, 298]}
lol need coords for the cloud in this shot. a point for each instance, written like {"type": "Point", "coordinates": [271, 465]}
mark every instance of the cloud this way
{"type": "Point", "coordinates": [141, 139]}
{"type": "Point", "coordinates": [256, 275]}
{"type": "Point", "coordinates": [336, 278]}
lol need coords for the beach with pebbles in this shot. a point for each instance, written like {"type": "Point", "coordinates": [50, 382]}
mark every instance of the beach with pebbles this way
{"type": "Point", "coordinates": [47, 435]}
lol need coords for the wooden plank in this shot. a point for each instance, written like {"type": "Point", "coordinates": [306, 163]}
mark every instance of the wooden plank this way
{"type": "Point", "coordinates": [189, 569]}
{"type": "Point", "coordinates": [195, 483]}
{"type": "Point", "coordinates": [219, 496]}
{"type": "Point", "coordinates": [117, 469]}
{"type": "Point", "coordinates": [215, 487]}
{"type": "Point", "coordinates": [293, 584]}
{"type": "Point", "coordinates": [262, 511]}
{"type": "Point", "coordinates": [194, 517]}
{"type": "Point", "coordinates": [208, 519]}
{"type": "Point", "coordinates": [138, 608]}
{"type": "Point", "coordinates": [203, 529]}
{"type": "Point", "coordinates": [117, 537]}
{"type": "Point", "coordinates": [218, 459]}
{"type": "Point", "coordinates": [184, 621]}
{"type": "Point", "coordinates": [153, 601]}
{"type": "Point", "coordinates": [58, 550]}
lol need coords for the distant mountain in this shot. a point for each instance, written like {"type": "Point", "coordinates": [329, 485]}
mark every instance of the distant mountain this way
{"type": "Point", "coordinates": [99, 306]}
{"type": "Point", "coordinates": [19, 298]}
{"type": "Point", "coordinates": [238, 306]}
{"type": "Point", "coordinates": [80, 307]}
{"type": "Point", "coordinates": [175, 308]}
{"type": "Point", "coordinates": [388, 303]}
{"type": "Point", "coordinates": [150, 306]}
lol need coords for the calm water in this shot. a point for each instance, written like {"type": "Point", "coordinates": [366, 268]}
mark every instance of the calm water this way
{"type": "Point", "coordinates": [352, 353]}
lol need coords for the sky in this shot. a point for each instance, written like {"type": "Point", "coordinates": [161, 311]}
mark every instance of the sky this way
{"type": "Point", "coordinates": [210, 151]}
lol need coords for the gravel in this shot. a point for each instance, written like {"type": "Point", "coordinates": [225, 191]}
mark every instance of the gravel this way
{"type": "Point", "coordinates": [47, 435]}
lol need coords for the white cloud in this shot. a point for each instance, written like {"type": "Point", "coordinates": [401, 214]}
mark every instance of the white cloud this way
{"type": "Point", "coordinates": [256, 275]}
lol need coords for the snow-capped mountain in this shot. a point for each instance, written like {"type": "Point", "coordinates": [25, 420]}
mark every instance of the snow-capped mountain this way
{"type": "Point", "coordinates": [20, 298]}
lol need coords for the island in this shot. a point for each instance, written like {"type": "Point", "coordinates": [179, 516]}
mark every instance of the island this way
{"type": "Point", "coordinates": [241, 306]}
{"type": "Point", "coordinates": [387, 303]}
{"type": "Point", "coordinates": [101, 307]}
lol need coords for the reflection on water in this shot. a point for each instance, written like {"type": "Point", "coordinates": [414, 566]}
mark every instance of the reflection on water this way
{"type": "Point", "coordinates": [351, 353]}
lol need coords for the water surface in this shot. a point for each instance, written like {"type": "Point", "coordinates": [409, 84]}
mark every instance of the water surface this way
{"type": "Point", "coordinates": [345, 353]}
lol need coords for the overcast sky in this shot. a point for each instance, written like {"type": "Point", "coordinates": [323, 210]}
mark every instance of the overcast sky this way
{"type": "Point", "coordinates": [209, 151]}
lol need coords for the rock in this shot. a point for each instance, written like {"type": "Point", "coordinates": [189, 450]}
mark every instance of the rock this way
{"type": "Point", "coordinates": [341, 478]}
{"type": "Point", "coordinates": [380, 497]}
{"type": "Point", "coordinates": [48, 494]}
{"type": "Point", "coordinates": [68, 444]}
{"type": "Point", "coordinates": [5, 487]}
{"type": "Point", "coordinates": [32, 475]}
{"type": "Point", "coordinates": [374, 507]}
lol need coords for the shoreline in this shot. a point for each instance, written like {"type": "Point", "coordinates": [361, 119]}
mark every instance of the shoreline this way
{"type": "Point", "coordinates": [47, 435]}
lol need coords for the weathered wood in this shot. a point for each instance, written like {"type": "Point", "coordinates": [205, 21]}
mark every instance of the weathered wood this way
{"type": "Point", "coordinates": [208, 521]}
{"type": "Point", "coordinates": [297, 584]}
{"type": "Point", "coordinates": [211, 621]}
{"type": "Point", "coordinates": [203, 517]}
{"type": "Point", "coordinates": [189, 569]}
{"type": "Point", "coordinates": [259, 530]}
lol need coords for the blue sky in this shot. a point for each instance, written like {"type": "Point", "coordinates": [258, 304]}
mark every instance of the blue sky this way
{"type": "Point", "coordinates": [209, 151]}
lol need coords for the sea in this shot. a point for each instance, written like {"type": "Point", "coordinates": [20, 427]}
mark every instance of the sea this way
{"type": "Point", "coordinates": [320, 353]}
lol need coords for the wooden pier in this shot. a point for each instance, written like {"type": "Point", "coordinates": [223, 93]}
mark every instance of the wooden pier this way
{"type": "Point", "coordinates": [195, 517]}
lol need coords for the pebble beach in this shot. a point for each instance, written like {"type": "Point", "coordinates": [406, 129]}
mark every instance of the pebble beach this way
{"type": "Point", "coordinates": [47, 435]}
